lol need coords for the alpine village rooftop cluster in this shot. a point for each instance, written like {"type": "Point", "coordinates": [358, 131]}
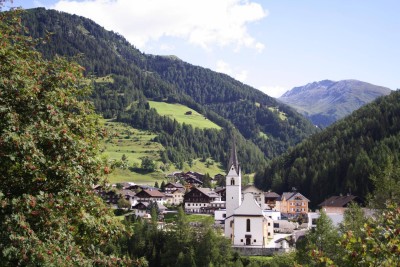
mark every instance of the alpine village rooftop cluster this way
{"type": "Point", "coordinates": [255, 222]}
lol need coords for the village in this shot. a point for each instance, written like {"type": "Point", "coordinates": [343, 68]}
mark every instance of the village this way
{"type": "Point", "coordinates": [256, 222]}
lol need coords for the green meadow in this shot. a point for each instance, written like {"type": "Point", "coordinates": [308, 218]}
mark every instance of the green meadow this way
{"type": "Point", "coordinates": [281, 114]}
{"type": "Point", "coordinates": [135, 144]}
{"type": "Point", "coordinates": [181, 114]}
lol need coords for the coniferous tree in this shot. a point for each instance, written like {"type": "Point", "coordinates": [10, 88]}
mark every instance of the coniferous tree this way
{"type": "Point", "coordinates": [321, 240]}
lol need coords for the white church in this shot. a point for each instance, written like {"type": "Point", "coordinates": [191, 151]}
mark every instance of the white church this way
{"type": "Point", "coordinates": [245, 223]}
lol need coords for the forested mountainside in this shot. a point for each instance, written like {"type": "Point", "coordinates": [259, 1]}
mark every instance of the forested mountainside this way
{"type": "Point", "coordinates": [132, 78]}
{"type": "Point", "coordinates": [342, 158]}
{"type": "Point", "coordinates": [326, 101]}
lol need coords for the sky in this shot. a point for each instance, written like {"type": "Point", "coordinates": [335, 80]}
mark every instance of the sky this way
{"type": "Point", "coordinates": [271, 45]}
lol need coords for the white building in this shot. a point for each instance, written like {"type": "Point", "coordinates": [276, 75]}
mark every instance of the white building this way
{"type": "Point", "coordinates": [199, 200]}
{"type": "Point", "coordinates": [245, 223]}
{"type": "Point", "coordinates": [257, 193]}
{"type": "Point", "coordinates": [274, 215]}
{"type": "Point", "coordinates": [220, 215]}
{"type": "Point", "coordinates": [251, 227]}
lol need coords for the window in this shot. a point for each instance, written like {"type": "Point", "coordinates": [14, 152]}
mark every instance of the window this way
{"type": "Point", "coordinates": [248, 225]}
{"type": "Point", "coordinates": [255, 240]}
{"type": "Point", "coordinates": [224, 215]}
{"type": "Point", "coordinates": [232, 181]}
{"type": "Point", "coordinates": [241, 240]}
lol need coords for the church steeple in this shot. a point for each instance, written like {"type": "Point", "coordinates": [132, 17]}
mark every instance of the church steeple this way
{"type": "Point", "coordinates": [233, 183]}
{"type": "Point", "coordinates": [233, 160]}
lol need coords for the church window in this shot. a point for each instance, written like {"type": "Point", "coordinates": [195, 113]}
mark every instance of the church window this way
{"type": "Point", "coordinates": [232, 181]}
{"type": "Point", "coordinates": [248, 225]}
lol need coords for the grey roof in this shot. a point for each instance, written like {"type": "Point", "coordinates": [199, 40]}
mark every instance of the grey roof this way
{"type": "Point", "coordinates": [233, 159]}
{"type": "Point", "coordinates": [271, 195]}
{"type": "Point", "coordinates": [127, 192]}
{"type": "Point", "coordinates": [161, 207]}
{"type": "Point", "coordinates": [338, 201]}
{"type": "Point", "coordinates": [180, 190]}
{"type": "Point", "coordinates": [208, 191]}
{"type": "Point", "coordinates": [290, 195]}
{"type": "Point", "coordinates": [174, 185]}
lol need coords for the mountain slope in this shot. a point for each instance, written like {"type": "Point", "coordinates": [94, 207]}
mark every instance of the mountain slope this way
{"type": "Point", "coordinates": [327, 101]}
{"type": "Point", "coordinates": [137, 78]}
{"type": "Point", "coordinates": [341, 158]}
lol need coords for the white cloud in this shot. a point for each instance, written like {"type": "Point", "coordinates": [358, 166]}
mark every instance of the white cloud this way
{"type": "Point", "coordinates": [274, 91]}
{"type": "Point", "coordinates": [37, 3]}
{"type": "Point", "coordinates": [223, 67]}
{"type": "Point", "coordinates": [203, 23]}
{"type": "Point", "coordinates": [166, 47]}
{"type": "Point", "coordinates": [241, 76]}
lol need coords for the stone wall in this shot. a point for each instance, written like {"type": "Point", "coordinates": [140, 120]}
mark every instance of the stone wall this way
{"type": "Point", "coordinates": [252, 251]}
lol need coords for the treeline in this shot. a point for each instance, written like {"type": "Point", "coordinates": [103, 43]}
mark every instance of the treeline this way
{"type": "Point", "coordinates": [183, 142]}
{"type": "Point", "coordinates": [273, 134]}
{"type": "Point", "coordinates": [137, 77]}
{"type": "Point", "coordinates": [343, 157]}
{"type": "Point", "coordinates": [251, 111]}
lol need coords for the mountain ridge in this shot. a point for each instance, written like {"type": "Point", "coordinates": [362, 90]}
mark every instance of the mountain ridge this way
{"type": "Point", "coordinates": [327, 101]}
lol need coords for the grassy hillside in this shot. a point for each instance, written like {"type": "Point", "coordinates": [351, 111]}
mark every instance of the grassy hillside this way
{"type": "Point", "coordinates": [181, 114]}
{"type": "Point", "coordinates": [134, 144]}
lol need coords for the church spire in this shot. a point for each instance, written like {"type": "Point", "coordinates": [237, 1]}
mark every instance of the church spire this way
{"type": "Point", "coordinates": [233, 161]}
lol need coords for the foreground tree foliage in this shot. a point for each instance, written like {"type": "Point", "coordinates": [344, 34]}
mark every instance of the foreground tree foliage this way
{"type": "Point", "coordinates": [179, 245]}
{"type": "Point", "coordinates": [49, 215]}
{"type": "Point", "coordinates": [322, 239]}
{"type": "Point", "coordinates": [378, 243]}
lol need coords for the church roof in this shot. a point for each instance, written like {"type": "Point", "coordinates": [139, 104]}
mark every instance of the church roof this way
{"type": "Point", "coordinates": [233, 160]}
{"type": "Point", "coordinates": [249, 207]}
